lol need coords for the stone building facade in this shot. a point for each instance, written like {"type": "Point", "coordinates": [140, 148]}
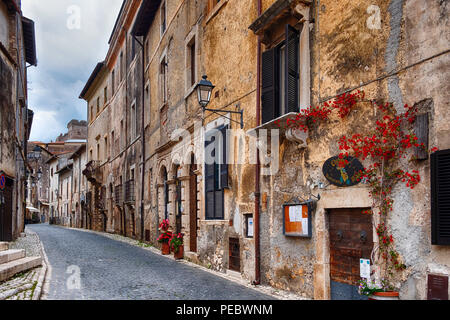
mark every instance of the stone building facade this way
{"type": "Point", "coordinates": [17, 49]}
{"type": "Point", "coordinates": [61, 169]}
{"type": "Point", "coordinates": [79, 188]}
{"type": "Point", "coordinates": [38, 183]}
{"type": "Point", "coordinates": [270, 59]}
{"type": "Point", "coordinates": [113, 94]}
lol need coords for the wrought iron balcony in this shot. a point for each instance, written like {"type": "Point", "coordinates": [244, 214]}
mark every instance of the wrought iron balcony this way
{"type": "Point", "coordinates": [93, 172]}
{"type": "Point", "coordinates": [118, 195]}
{"type": "Point", "coordinates": [129, 191]}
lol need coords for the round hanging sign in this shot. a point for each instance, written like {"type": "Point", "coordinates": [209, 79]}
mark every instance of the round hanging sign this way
{"type": "Point", "coordinates": [342, 172]}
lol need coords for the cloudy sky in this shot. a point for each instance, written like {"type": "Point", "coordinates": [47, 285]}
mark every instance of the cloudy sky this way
{"type": "Point", "coordinates": [68, 49]}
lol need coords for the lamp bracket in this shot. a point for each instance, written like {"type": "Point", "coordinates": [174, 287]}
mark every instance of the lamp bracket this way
{"type": "Point", "coordinates": [218, 111]}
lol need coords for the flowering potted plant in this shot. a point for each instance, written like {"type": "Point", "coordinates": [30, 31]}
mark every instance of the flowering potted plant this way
{"type": "Point", "coordinates": [176, 244]}
{"type": "Point", "coordinates": [165, 237]}
{"type": "Point", "coordinates": [377, 291]}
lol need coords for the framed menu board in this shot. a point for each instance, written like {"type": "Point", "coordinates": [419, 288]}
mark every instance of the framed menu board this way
{"type": "Point", "coordinates": [297, 220]}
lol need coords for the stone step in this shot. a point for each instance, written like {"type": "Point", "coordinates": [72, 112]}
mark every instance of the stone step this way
{"type": "Point", "coordinates": [4, 246]}
{"type": "Point", "coordinates": [7, 270]}
{"type": "Point", "coordinates": [11, 255]}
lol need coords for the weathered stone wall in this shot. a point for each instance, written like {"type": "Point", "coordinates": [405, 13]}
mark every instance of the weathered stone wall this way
{"type": "Point", "coordinates": [346, 54]}
{"type": "Point", "coordinates": [400, 60]}
{"type": "Point", "coordinates": [122, 153]}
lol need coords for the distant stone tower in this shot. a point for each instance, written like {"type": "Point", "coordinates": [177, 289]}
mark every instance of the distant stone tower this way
{"type": "Point", "coordinates": [77, 130]}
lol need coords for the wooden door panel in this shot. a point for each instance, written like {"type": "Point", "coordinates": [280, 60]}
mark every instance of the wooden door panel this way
{"type": "Point", "coordinates": [350, 239]}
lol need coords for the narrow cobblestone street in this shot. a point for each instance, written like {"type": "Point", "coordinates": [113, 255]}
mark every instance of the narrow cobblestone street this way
{"type": "Point", "coordinates": [111, 269]}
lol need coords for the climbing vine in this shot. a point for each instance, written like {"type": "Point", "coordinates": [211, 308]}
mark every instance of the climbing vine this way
{"type": "Point", "coordinates": [386, 145]}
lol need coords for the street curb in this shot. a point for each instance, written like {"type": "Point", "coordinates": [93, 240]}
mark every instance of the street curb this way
{"type": "Point", "coordinates": [45, 266]}
{"type": "Point", "coordinates": [267, 290]}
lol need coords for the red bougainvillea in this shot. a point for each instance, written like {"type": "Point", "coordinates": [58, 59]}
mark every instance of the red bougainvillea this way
{"type": "Point", "coordinates": [386, 145]}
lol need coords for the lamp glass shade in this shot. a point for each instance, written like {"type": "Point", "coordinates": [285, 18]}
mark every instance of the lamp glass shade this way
{"type": "Point", "coordinates": [204, 90]}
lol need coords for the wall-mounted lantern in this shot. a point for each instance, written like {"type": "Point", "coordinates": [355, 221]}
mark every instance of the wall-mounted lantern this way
{"type": "Point", "coordinates": [204, 90]}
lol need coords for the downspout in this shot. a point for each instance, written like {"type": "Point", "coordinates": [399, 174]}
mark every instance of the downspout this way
{"type": "Point", "coordinates": [142, 135]}
{"type": "Point", "coordinates": [257, 280]}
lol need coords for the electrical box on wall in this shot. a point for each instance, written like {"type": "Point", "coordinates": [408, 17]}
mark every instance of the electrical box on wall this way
{"type": "Point", "coordinates": [297, 220]}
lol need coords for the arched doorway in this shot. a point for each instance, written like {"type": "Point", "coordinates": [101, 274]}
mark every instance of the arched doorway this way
{"type": "Point", "coordinates": [193, 206]}
{"type": "Point", "coordinates": [178, 203]}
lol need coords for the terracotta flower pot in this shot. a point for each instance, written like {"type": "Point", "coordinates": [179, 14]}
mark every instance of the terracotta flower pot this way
{"type": "Point", "coordinates": [391, 295]}
{"type": "Point", "coordinates": [165, 249]}
{"type": "Point", "coordinates": [180, 254]}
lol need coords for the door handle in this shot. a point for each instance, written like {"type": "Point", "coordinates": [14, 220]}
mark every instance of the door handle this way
{"type": "Point", "coordinates": [340, 235]}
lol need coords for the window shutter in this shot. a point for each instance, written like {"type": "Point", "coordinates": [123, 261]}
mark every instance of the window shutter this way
{"type": "Point", "coordinates": [224, 162]}
{"type": "Point", "coordinates": [269, 103]}
{"type": "Point", "coordinates": [440, 198]}
{"type": "Point", "coordinates": [166, 200]}
{"type": "Point", "coordinates": [209, 184]}
{"type": "Point", "coordinates": [292, 69]}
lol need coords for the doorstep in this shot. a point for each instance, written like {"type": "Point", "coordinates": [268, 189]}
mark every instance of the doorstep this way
{"type": "Point", "coordinates": [236, 275]}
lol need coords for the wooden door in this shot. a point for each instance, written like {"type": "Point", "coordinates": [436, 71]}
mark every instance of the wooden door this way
{"type": "Point", "coordinates": [351, 236]}
{"type": "Point", "coordinates": [6, 211]}
{"type": "Point", "coordinates": [235, 255]}
{"type": "Point", "coordinates": [193, 208]}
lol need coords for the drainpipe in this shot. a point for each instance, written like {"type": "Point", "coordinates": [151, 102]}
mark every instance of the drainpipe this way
{"type": "Point", "coordinates": [257, 280]}
{"type": "Point", "coordinates": [142, 135]}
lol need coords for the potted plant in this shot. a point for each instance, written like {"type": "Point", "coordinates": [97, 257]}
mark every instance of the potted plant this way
{"type": "Point", "coordinates": [176, 244]}
{"type": "Point", "coordinates": [377, 291]}
{"type": "Point", "coordinates": [164, 237]}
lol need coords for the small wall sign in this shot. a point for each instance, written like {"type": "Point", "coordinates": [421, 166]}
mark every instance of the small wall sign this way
{"type": "Point", "coordinates": [296, 220]}
{"type": "Point", "coordinates": [342, 172]}
{"type": "Point", "coordinates": [364, 268]}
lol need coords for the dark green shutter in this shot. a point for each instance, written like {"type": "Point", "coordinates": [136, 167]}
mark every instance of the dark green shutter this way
{"type": "Point", "coordinates": [209, 183]}
{"type": "Point", "coordinates": [224, 162]}
{"type": "Point", "coordinates": [440, 198]}
{"type": "Point", "coordinates": [269, 86]}
{"type": "Point", "coordinates": [292, 69]}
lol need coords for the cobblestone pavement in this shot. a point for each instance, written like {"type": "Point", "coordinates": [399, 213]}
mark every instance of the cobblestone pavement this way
{"type": "Point", "coordinates": [116, 270]}
{"type": "Point", "coordinates": [22, 286]}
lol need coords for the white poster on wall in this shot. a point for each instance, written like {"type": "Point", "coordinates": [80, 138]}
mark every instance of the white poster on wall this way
{"type": "Point", "coordinates": [250, 227]}
{"type": "Point", "coordinates": [364, 268]}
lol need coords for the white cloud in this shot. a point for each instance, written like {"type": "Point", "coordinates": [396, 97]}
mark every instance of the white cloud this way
{"type": "Point", "coordinates": [66, 58]}
{"type": "Point", "coordinates": [46, 126]}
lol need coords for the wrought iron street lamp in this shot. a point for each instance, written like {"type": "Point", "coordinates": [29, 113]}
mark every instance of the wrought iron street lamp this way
{"type": "Point", "coordinates": [37, 152]}
{"type": "Point", "coordinates": [204, 90]}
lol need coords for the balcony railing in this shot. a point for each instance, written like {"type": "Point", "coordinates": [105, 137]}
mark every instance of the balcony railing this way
{"type": "Point", "coordinates": [118, 195]}
{"type": "Point", "coordinates": [129, 191]}
{"type": "Point", "coordinates": [93, 172]}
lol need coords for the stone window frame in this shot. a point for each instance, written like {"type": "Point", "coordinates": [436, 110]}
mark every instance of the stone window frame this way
{"type": "Point", "coordinates": [191, 38]}
{"type": "Point", "coordinates": [303, 25]}
{"type": "Point", "coordinates": [133, 120]}
{"type": "Point", "coordinates": [213, 9]}
{"type": "Point", "coordinates": [106, 149]}
{"type": "Point", "coordinates": [163, 19]}
{"type": "Point", "coordinates": [219, 122]}
{"type": "Point", "coordinates": [163, 79]}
